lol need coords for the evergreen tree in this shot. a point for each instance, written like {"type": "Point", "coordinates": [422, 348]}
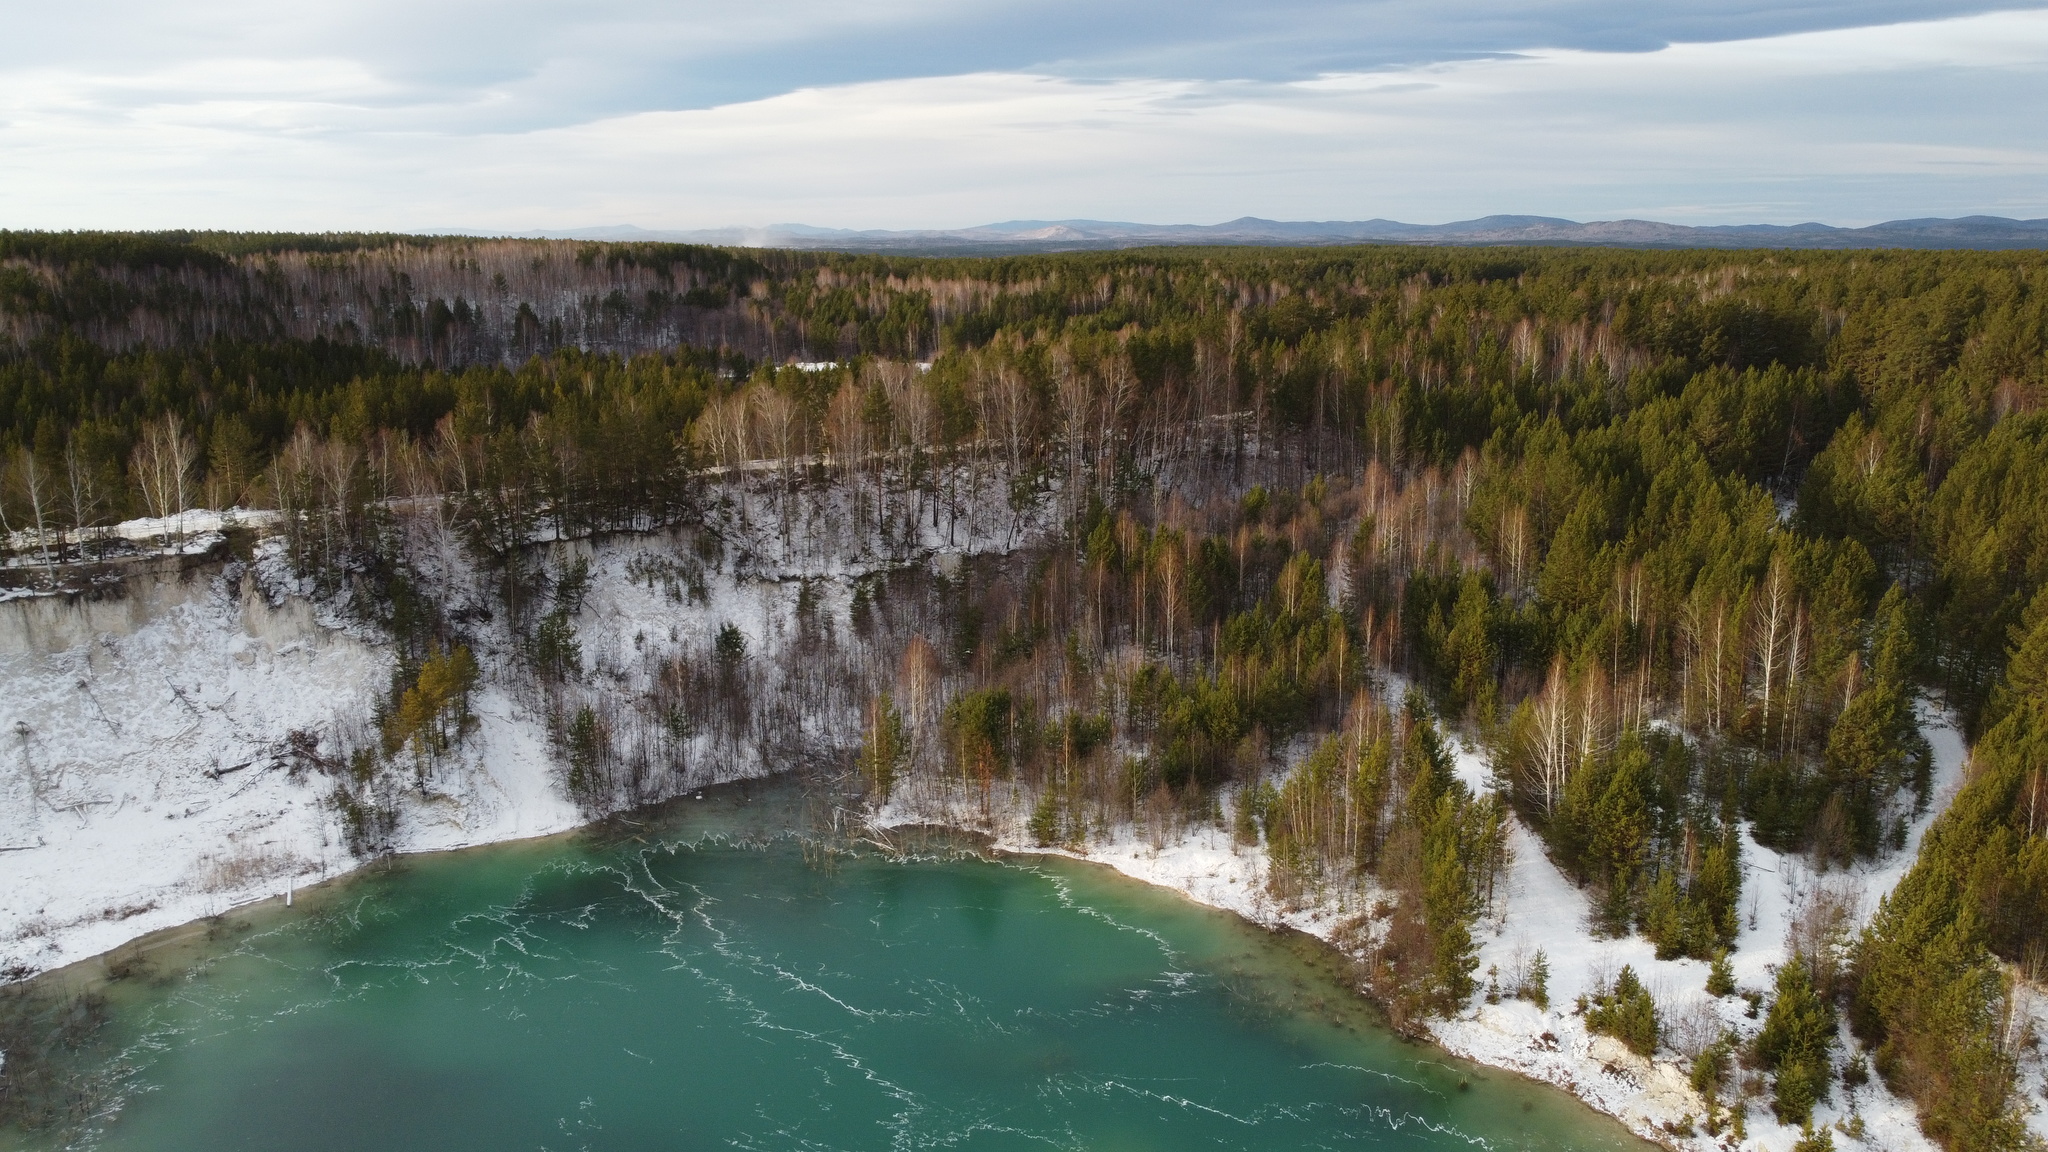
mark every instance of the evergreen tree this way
{"type": "Point", "coordinates": [1627, 1012]}
{"type": "Point", "coordinates": [1468, 650]}
{"type": "Point", "coordinates": [1721, 976]}
{"type": "Point", "coordinates": [1873, 749]}
{"type": "Point", "coordinates": [1447, 905]}
{"type": "Point", "coordinates": [1797, 1040]}
{"type": "Point", "coordinates": [1535, 986]}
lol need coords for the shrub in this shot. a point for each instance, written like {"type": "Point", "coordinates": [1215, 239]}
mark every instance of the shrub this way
{"type": "Point", "coordinates": [1811, 1140]}
{"type": "Point", "coordinates": [1710, 1068]}
{"type": "Point", "coordinates": [1721, 977]}
{"type": "Point", "coordinates": [1627, 1013]}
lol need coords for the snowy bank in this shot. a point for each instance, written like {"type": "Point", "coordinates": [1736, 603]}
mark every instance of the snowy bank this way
{"type": "Point", "coordinates": [1543, 909]}
{"type": "Point", "coordinates": [1539, 908]}
{"type": "Point", "coordinates": [159, 763]}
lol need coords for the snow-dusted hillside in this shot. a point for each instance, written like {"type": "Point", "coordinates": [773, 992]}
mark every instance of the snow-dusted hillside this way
{"type": "Point", "coordinates": [165, 745]}
{"type": "Point", "coordinates": [167, 734]}
{"type": "Point", "coordinates": [1542, 909]}
{"type": "Point", "coordinates": [150, 776]}
{"type": "Point", "coordinates": [160, 772]}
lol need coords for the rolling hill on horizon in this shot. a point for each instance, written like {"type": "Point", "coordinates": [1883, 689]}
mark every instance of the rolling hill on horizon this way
{"type": "Point", "coordinates": [1978, 232]}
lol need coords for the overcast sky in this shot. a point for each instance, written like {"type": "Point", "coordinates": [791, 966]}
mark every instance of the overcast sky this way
{"type": "Point", "coordinates": [520, 115]}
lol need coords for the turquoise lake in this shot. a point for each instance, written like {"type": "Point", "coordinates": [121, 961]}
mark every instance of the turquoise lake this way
{"type": "Point", "coordinates": [702, 979]}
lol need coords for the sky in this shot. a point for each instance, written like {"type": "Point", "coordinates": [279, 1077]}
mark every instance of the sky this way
{"type": "Point", "coordinates": [519, 115]}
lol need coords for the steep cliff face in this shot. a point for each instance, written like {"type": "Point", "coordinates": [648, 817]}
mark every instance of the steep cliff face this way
{"type": "Point", "coordinates": [150, 776]}
{"type": "Point", "coordinates": [175, 742]}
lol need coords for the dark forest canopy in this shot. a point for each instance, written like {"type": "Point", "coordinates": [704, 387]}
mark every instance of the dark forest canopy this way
{"type": "Point", "coordinates": [1684, 537]}
{"type": "Point", "coordinates": [460, 300]}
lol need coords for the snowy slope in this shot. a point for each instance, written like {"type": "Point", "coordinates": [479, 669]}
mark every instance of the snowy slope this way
{"type": "Point", "coordinates": [1544, 910]}
{"type": "Point", "coordinates": [152, 778]}
{"type": "Point", "coordinates": [2030, 1012]}
{"type": "Point", "coordinates": [148, 781]}
{"type": "Point", "coordinates": [147, 777]}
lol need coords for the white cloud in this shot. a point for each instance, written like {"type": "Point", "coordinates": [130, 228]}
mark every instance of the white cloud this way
{"type": "Point", "coordinates": [1935, 117]}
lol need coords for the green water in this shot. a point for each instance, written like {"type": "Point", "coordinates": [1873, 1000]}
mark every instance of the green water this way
{"type": "Point", "coordinates": [698, 985]}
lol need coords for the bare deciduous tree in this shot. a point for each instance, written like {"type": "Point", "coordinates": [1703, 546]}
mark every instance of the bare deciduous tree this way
{"type": "Point", "coordinates": [162, 464]}
{"type": "Point", "coordinates": [1554, 756]}
{"type": "Point", "coordinates": [921, 678]}
{"type": "Point", "coordinates": [1773, 625]}
{"type": "Point", "coordinates": [37, 495]}
{"type": "Point", "coordinates": [82, 491]}
{"type": "Point", "coordinates": [775, 418]}
{"type": "Point", "coordinates": [722, 430]}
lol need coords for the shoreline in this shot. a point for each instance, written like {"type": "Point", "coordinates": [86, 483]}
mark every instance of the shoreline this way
{"type": "Point", "coordinates": [1209, 868]}
{"type": "Point", "coordinates": [195, 935]}
{"type": "Point", "coordinates": [1652, 1098]}
{"type": "Point", "coordinates": [1639, 1094]}
{"type": "Point", "coordinates": [1319, 925]}
{"type": "Point", "coordinates": [1205, 864]}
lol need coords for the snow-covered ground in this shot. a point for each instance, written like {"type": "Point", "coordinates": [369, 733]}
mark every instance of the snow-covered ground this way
{"type": "Point", "coordinates": [188, 533]}
{"type": "Point", "coordinates": [198, 521]}
{"type": "Point", "coordinates": [148, 778]}
{"type": "Point", "coordinates": [1542, 909]}
{"type": "Point", "coordinates": [2030, 1026]}
{"type": "Point", "coordinates": [148, 781]}
{"type": "Point", "coordinates": [152, 781]}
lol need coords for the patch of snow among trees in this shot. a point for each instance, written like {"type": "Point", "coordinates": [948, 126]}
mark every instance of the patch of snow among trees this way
{"type": "Point", "coordinates": [1542, 909]}
{"type": "Point", "coordinates": [2030, 1013]}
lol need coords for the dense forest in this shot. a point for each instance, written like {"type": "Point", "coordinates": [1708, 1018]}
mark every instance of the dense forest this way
{"type": "Point", "coordinates": [1685, 541]}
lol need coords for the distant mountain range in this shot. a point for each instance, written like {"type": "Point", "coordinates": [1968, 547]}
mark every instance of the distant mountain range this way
{"type": "Point", "coordinates": [1068, 235]}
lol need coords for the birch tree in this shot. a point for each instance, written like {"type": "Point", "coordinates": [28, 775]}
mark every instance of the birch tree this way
{"type": "Point", "coordinates": [1772, 630]}
{"type": "Point", "coordinates": [83, 495]}
{"type": "Point", "coordinates": [162, 466]}
{"type": "Point", "coordinates": [38, 498]}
